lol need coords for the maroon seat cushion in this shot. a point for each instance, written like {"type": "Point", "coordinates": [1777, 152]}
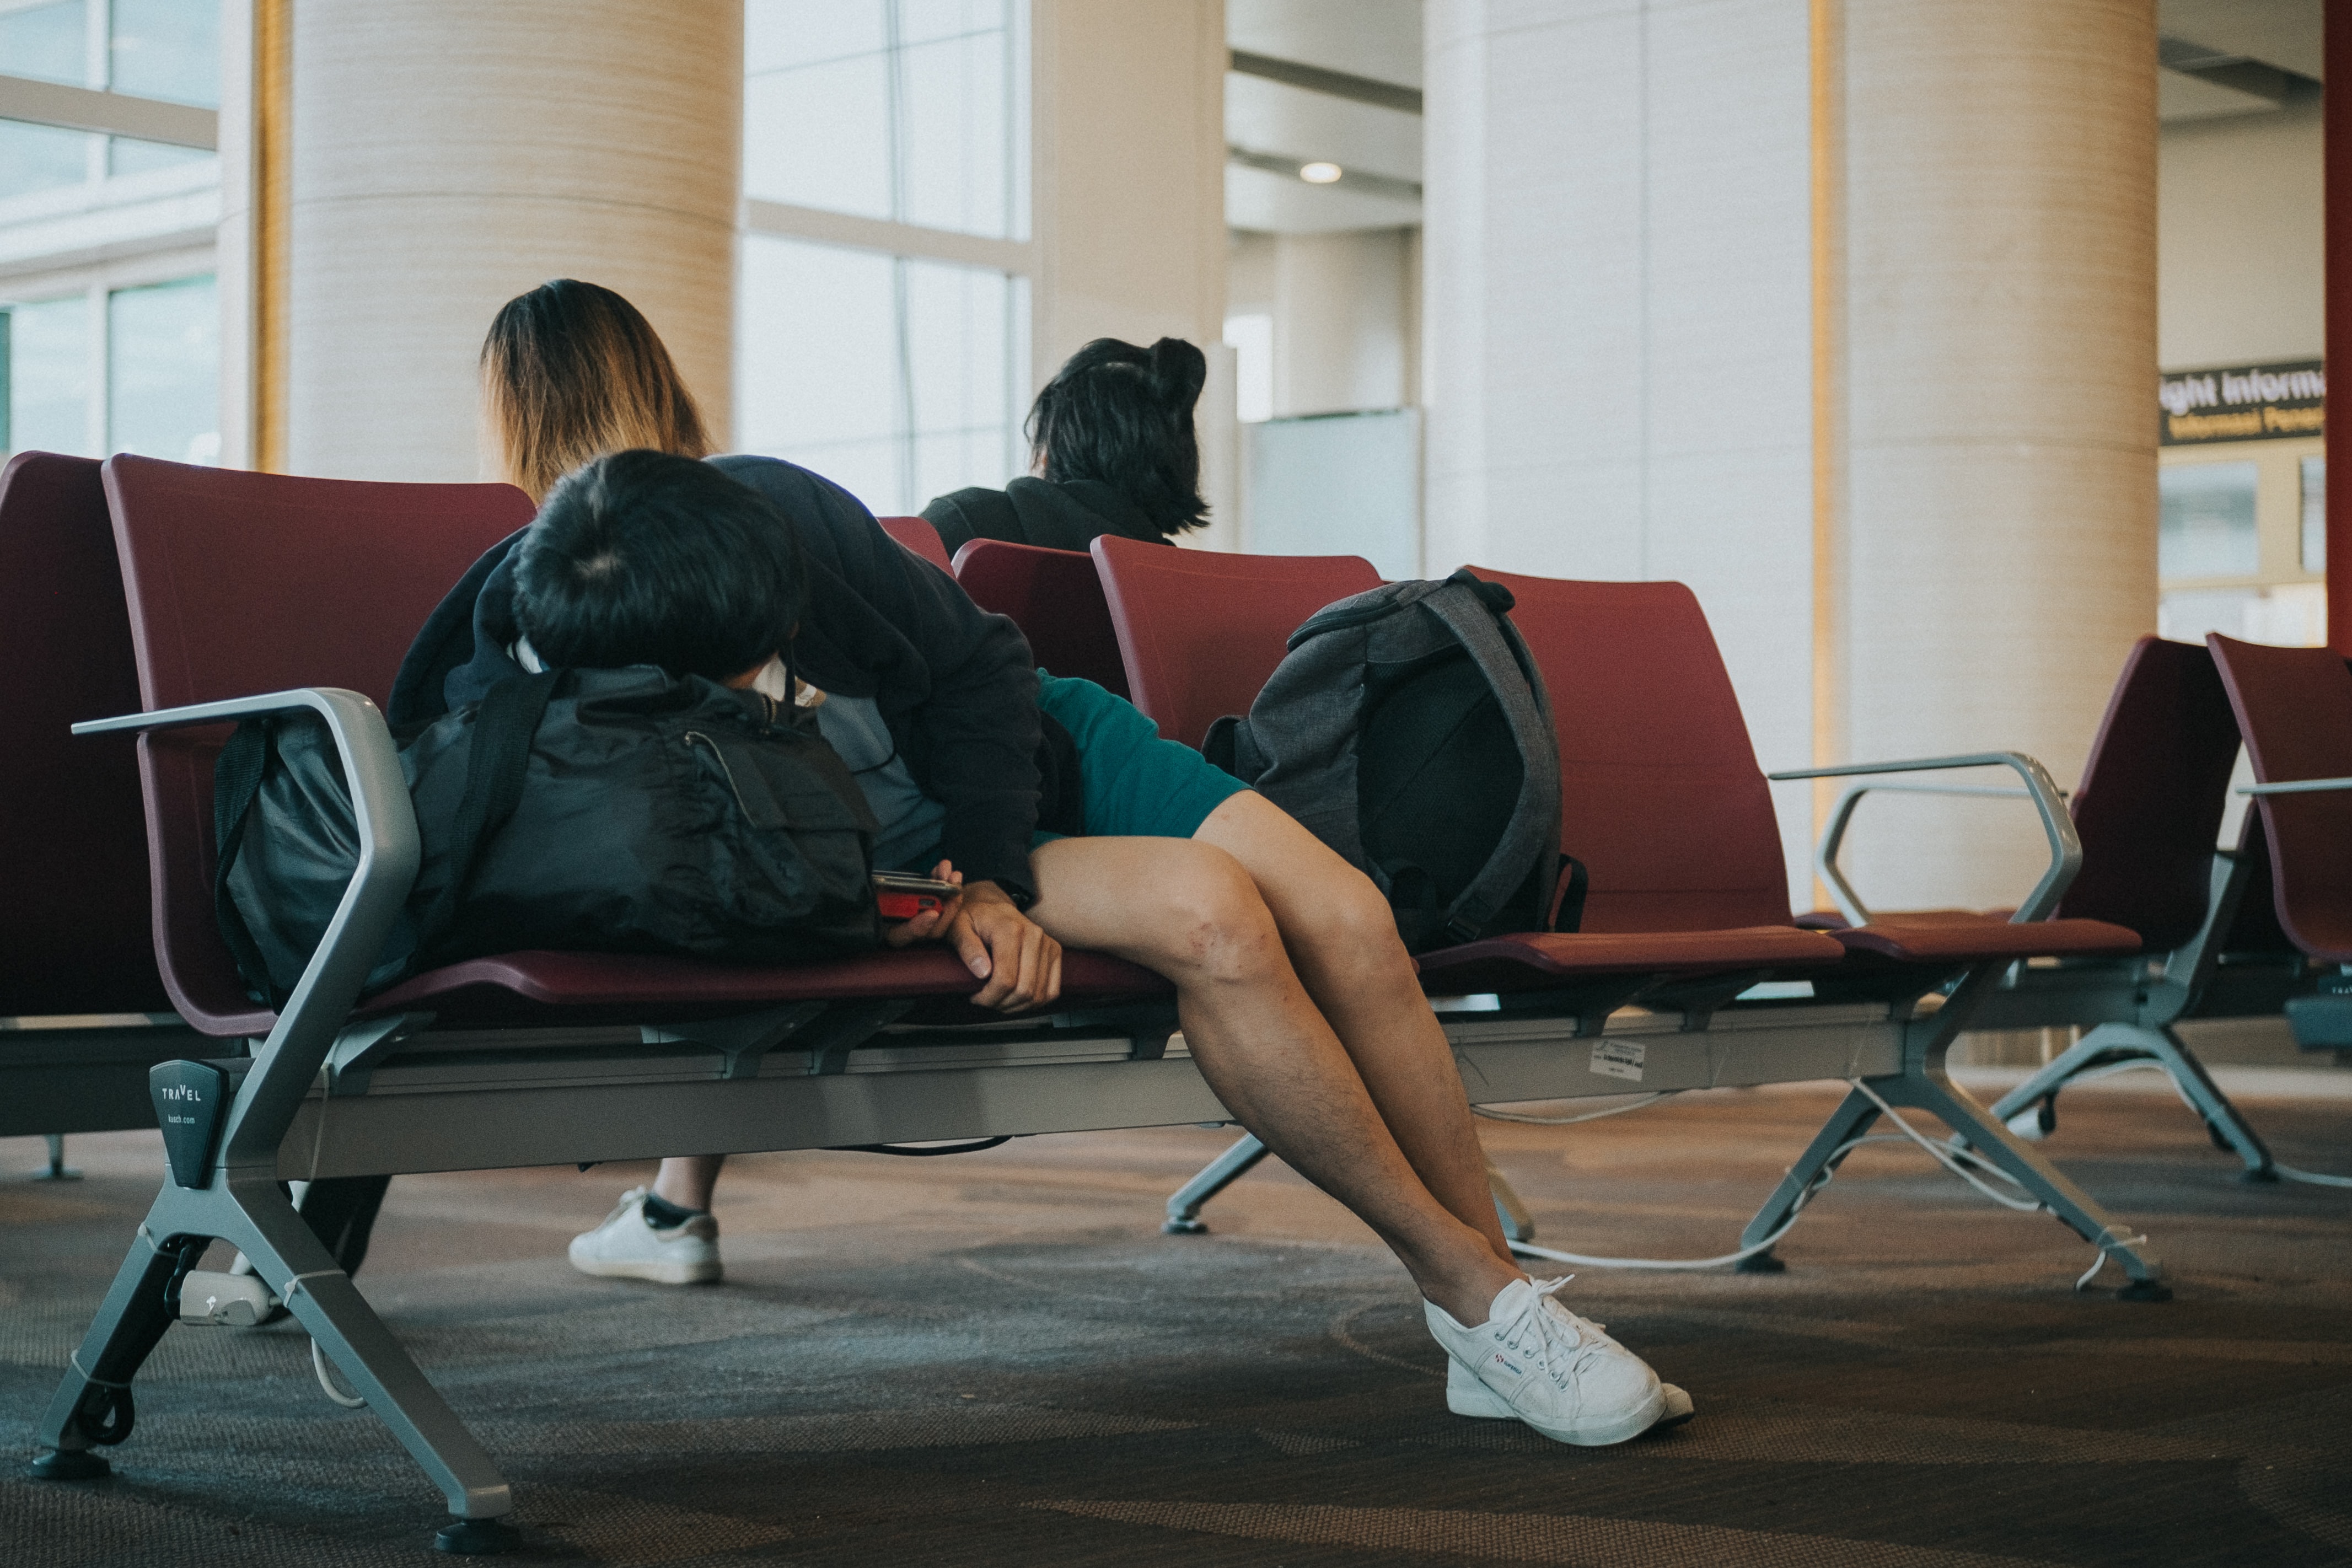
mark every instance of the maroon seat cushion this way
{"type": "Point", "coordinates": [1538, 959]}
{"type": "Point", "coordinates": [1937, 940]}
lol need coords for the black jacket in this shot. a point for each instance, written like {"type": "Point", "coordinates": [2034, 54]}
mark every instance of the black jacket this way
{"type": "Point", "coordinates": [955, 684]}
{"type": "Point", "coordinates": [1050, 514]}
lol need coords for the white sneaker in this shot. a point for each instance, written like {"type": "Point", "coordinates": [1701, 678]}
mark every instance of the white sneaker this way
{"type": "Point", "coordinates": [1535, 1359]}
{"type": "Point", "coordinates": [627, 1246]}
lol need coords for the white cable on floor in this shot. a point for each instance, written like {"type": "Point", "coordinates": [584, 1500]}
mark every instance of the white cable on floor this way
{"type": "Point", "coordinates": [318, 1365]}
{"type": "Point", "coordinates": [1647, 1099]}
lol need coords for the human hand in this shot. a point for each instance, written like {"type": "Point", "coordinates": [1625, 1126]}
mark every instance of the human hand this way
{"type": "Point", "coordinates": [1022, 965]}
{"type": "Point", "coordinates": [930, 924]}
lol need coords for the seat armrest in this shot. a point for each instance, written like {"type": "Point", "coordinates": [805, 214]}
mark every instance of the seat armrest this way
{"type": "Point", "coordinates": [2296, 786]}
{"type": "Point", "coordinates": [388, 855]}
{"type": "Point", "coordinates": [2049, 803]}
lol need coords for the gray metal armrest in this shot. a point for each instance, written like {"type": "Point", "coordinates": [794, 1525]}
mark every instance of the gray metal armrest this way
{"type": "Point", "coordinates": [2049, 800]}
{"type": "Point", "coordinates": [389, 855]}
{"type": "Point", "coordinates": [2297, 787]}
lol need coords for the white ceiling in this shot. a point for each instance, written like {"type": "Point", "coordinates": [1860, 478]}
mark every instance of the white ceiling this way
{"type": "Point", "coordinates": [1379, 39]}
{"type": "Point", "coordinates": [2281, 33]}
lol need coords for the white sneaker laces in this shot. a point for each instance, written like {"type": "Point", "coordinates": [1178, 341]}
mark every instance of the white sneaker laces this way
{"type": "Point", "coordinates": [1555, 1335]}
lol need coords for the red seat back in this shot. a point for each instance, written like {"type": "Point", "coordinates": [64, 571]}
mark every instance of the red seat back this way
{"type": "Point", "coordinates": [2295, 710]}
{"type": "Point", "coordinates": [2153, 794]}
{"type": "Point", "coordinates": [1055, 597]}
{"type": "Point", "coordinates": [1660, 793]}
{"type": "Point", "coordinates": [1200, 630]}
{"type": "Point", "coordinates": [73, 843]}
{"type": "Point", "coordinates": [243, 584]}
{"type": "Point", "coordinates": [917, 536]}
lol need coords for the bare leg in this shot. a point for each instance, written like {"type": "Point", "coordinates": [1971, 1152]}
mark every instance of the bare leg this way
{"type": "Point", "coordinates": [1344, 942]}
{"type": "Point", "coordinates": [1190, 911]}
{"type": "Point", "coordinates": [686, 1180]}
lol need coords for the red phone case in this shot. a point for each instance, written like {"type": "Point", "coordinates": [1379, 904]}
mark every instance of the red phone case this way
{"type": "Point", "coordinates": [904, 905]}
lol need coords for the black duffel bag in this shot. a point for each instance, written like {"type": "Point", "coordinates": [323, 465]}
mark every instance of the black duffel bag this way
{"type": "Point", "coordinates": [610, 811]}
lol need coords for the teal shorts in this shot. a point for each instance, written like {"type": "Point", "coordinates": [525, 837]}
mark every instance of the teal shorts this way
{"type": "Point", "coordinates": [1134, 785]}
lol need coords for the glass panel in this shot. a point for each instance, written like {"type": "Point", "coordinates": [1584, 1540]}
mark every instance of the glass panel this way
{"type": "Point", "coordinates": [51, 42]}
{"type": "Point", "coordinates": [819, 136]}
{"type": "Point", "coordinates": [164, 371]}
{"type": "Point", "coordinates": [913, 110]}
{"type": "Point", "coordinates": [967, 373]}
{"type": "Point", "coordinates": [817, 377]}
{"type": "Point", "coordinates": [2207, 524]}
{"type": "Point", "coordinates": [2314, 514]}
{"type": "Point", "coordinates": [48, 376]}
{"type": "Point", "coordinates": [124, 156]}
{"type": "Point", "coordinates": [955, 133]}
{"type": "Point", "coordinates": [900, 379]}
{"type": "Point", "coordinates": [167, 49]}
{"type": "Point", "coordinates": [41, 158]}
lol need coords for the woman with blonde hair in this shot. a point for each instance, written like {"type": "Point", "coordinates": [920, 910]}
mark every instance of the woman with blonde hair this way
{"type": "Point", "coordinates": [570, 372]}
{"type": "Point", "coordinates": [1297, 999]}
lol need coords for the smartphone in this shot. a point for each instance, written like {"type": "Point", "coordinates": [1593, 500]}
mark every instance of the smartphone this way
{"type": "Point", "coordinates": [903, 897]}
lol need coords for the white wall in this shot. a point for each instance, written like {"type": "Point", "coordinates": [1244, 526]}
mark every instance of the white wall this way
{"type": "Point", "coordinates": [1617, 319]}
{"type": "Point", "coordinates": [2241, 254]}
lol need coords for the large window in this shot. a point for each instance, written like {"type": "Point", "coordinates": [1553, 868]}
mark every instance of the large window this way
{"type": "Point", "coordinates": [883, 323]}
{"type": "Point", "coordinates": [2207, 528]}
{"type": "Point", "coordinates": [120, 354]}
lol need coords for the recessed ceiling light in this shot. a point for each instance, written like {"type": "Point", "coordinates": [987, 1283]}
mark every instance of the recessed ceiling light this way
{"type": "Point", "coordinates": [1320, 174]}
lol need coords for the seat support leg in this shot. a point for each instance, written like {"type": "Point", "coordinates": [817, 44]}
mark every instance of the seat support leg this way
{"type": "Point", "coordinates": [1184, 1203]}
{"type": "Point", "coordinates": [58, 1171]}
{"type": "Point", "coordinates": [1851, 1120]}
{"type": "Point", "coordinates": [2120, 1042]}
{"type": "Point", "coordinates": [1518, 1224]}
{"type": "Point", "coordinates": [247, 1210]}
{"type": "Point", "coordinates": [1923, 1085]}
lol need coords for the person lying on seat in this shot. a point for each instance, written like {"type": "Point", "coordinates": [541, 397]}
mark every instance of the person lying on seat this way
{"type": "Point", "coordinates": [1298, 1000]}
{"type": "Point", "coordinates": [1112, 448]}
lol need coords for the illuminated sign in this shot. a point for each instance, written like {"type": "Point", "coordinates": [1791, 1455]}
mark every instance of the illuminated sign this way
{"type": "Point", "coordinates": [2243, 402]}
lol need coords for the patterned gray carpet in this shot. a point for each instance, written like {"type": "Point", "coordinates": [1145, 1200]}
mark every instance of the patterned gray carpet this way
{"type": "Point", "coordinates": [997, 1359]}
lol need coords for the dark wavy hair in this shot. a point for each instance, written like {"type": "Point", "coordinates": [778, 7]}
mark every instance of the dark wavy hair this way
{"type": "Point", "coordinates": [1123, 415]}
{"type": "Point", "coordinates": [644, 557]}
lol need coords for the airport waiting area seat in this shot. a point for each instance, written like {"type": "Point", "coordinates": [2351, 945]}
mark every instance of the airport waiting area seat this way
{"type": "Point", "coordinates": [917, 536]}
{"type": "Point", "coordinates": [243, 602]}
{"type": "Point", "coordinates": [83, 1012]}
{"type": "Point", "coordinates": [2149, 813]}
{"type": "Point", "coordinates": [1055, 597]}
{"type": "Point", "coordinates": [1686, 911]}
{"type": "Point", "coordinates": [2294, 709]}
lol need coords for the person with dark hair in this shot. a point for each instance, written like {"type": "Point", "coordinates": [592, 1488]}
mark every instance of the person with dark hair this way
{"type": "Point", "coordinates": [642, 557]}
{"type": "Point", "coordinates": [1111, 442]}
{"type": "Point", "coordinates": [1298, 1000]}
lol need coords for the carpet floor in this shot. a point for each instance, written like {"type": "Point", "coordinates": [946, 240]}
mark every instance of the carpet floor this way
{"type": "Point", "coordinates": [996, 1357]}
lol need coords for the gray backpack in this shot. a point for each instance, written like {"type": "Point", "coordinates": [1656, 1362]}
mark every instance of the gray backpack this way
{"type": "Point", "coordinates": [1408, 729]}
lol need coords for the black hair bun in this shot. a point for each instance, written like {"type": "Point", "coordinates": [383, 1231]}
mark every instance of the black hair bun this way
{"type": "Point", "coordinates": [1179, 371]}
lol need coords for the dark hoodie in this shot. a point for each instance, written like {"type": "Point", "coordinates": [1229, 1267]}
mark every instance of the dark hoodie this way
{"type": "Point", "coordinates": [1047, 514]}
{"type": "Point", "coordinates": [955, 684]}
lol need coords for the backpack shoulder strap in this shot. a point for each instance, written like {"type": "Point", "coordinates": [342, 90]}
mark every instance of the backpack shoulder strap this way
{"type": "Point", "coordinates": [236, 784]}
{"type": "Point", "coordinates": [1470, 610]}
{"type": "Point", "coordinates": [496, 762]}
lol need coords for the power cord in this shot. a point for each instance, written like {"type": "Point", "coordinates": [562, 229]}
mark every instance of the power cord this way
{"type": "Point", "coordinates": [1640, 1103]}
{"type": "Point", "coordinates": [318, 1365]}
{"type": "Point", "coordinates": [1955, 1160]}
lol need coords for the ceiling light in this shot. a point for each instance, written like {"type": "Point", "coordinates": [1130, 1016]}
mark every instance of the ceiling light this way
{"type": "Point", "coordinates": [1320, 174]}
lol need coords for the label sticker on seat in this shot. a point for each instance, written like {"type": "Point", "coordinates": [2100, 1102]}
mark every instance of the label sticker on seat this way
{"type": "Point", "coordinates": [1617, 1058]}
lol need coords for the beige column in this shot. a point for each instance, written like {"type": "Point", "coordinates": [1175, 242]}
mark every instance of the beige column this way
{"type": "Point", "coordinates": [447, 155]}
{"type": "Point", "coordinates": [1129, 133]}
{"type": "Point", "coordinates": [1129, 149]}
{"type": "Point", "coordinates": [1999, 547]}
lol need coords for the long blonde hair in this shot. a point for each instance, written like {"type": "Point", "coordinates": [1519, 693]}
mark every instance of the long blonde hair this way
{"type": "Point", "coordinates": [570, 372]}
